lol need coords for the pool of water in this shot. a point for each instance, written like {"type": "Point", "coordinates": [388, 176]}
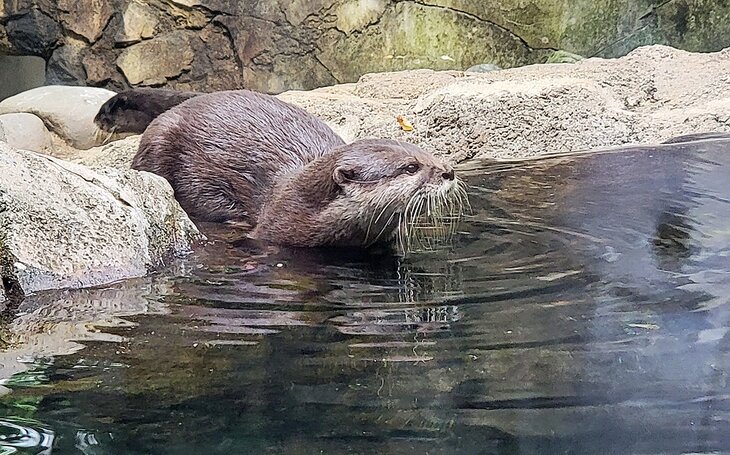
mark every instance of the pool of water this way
{"type": "Point", "coordinates": [583, 307]}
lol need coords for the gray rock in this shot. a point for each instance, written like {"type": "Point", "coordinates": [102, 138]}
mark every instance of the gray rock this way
{"type": "Point", "coordinates": [67, 111]}
{"type": "Point", "coordinates": [483, 68]}
{"type": "Point", "coordinates": [65, 65]}
{"type": "Point", "coordinates": [275, 45]}
{"type": "Point", "coordinates": [26, 132]}
{"type": "Point", "coordinates": [33, 33]}
{"type": "Point", "coordinates": [67, 226]}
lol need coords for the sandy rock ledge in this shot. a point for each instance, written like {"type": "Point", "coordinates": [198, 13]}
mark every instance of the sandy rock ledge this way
{"type": "Point", "coordinates": [63, 225]}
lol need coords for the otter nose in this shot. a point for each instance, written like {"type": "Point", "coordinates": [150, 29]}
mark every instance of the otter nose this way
{"type": "Point", "coordinates": [448, 175]}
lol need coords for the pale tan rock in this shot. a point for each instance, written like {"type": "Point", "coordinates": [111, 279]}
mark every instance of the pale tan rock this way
{"type": "Point", "coordinates": [85, 17]}
{"type": "Point", "coordinates": [67, 226]}
{"type": "Point", "coordinates": [26, 131]}
{"type": "Point", "coordinates": [296, 11]}
{"type": "Point", "coordinates": [403, 84]}
{"type": "Point", "coordinates": [356, 14]}
{"type": "Point", "coordinates": [66, 111]}
{"type": "Point", "coordinates": [117, 154]}
{"type": "Point", "coordinates": [139, 22]}
{"type": "Point", "coordinates": [154, 61]}
{"type": "Point", "coordinates": [651, 95]}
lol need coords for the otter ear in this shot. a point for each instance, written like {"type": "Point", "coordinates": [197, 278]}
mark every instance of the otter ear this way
{"type": "Point", "coordinates": [342, 174]}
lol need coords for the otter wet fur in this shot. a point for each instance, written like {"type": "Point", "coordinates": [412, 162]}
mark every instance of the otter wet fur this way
{"type": "Point", "coordinates": [131, 111]}
{"type": "Point", "coordinates": [249, 158]}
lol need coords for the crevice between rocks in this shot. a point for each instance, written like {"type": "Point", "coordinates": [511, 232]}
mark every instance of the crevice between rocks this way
{"type": "Point", "coordinates": [329, 71]}
{"type": "Point", "coordinates": [11, 286]}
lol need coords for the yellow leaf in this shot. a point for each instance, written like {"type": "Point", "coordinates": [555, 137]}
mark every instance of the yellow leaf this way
{"type": "Point", "coordinates": [404, 124]}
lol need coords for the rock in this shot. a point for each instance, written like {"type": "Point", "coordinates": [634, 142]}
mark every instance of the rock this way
{"type": "Point", "coordinates": [564, 57]}
{"type": "Point", "coordinates": [171, 54]}
{"type": "Point", "coordinates": [33, 33]}
{"type": "Point", "coordinates": [117, 154]}
{"type": "Point", "coordinates": [403, 84]}
{"type": "Point", "coordinates": [67, 111]}
{"type": "Point", "coordinates": [65, 67]}
{"type": "Point", "coordinates": [483, 68]}
{"type": "Point", "coordinates": [67, 226]}
{"type": "Point", "coordinates": [357, 14]}
{"type": "Point", "coordinates": [26, 132]}
{"type": "Point", "coordinates": [18, 74]}
{"type": "Point", "coordinates": [652, 94]}
{"type": "Point", "coordinates": [85, 17]}
{"type": "Point", "coordinates": [422, 36]}
{"type": "Point", "coordinates": [139, 22]}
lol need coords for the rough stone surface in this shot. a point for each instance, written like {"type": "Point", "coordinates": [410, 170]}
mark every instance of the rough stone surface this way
{"type": "Point", "coordinates": [66, 226]}
{"type": "Point", "coordinates": [33, 33]}
{"type": "Point", "coordinates": [153, 62]}
{"type": "Point", "coordinates": [652, 94]}
{"type": "Point", "coordinates": [26, 132]}
{"type": "Point", "coordinates": [139, 22]}
{"type": "Point", "coordinates": [66, 111]}
{"type": "Point", "coordinates": [85, 17]}
{"type": "Point", "coordinates": [276, 45]}
{"type": "Point", "coordinates": [117, 154]}
{"type": "Point", "coordinates": [65, 65]}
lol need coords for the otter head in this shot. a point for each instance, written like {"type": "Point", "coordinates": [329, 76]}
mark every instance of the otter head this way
{"type": "Point", "coordinates": [370, 191]}
{"type": "Point", "coordinates": [112, 122]}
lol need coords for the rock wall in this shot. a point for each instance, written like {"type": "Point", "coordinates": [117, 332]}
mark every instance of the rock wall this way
{"type": "Point", "coordinates": [275, 45]}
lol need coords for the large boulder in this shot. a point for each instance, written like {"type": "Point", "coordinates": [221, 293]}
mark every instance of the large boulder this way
{"type": "Point", "coordinates": [652, 94]}
{"type": "Point", "coordinates": [25, 131]}
{"type": "Point", "coordinates": [67, 111]}
{"type": "Point", "coordinates": [63, 225]}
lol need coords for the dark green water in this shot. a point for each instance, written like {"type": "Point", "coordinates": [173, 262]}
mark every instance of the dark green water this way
{"type": "Point", "coordinates": [583, 308]}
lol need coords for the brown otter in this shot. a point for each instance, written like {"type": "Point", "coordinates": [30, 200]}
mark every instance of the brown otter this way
{"type": "Point", "coordinates": [131, 111]}
{"type": "Point", "coordinates": [246, 157]}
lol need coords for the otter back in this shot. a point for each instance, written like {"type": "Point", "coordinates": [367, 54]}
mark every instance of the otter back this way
{"type": "Point", "coordinates": [222, 152]}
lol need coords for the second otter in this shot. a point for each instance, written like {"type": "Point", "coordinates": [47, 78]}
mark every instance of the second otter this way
{"type": "Point", "coordinates": [248, 157]}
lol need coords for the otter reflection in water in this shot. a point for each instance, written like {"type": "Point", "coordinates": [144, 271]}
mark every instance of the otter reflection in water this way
{"type": "Point", "coordinates": [252, 159]}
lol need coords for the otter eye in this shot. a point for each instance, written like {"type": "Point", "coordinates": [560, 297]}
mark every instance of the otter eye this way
{"type": "Point", "coordinates": [412, 168]}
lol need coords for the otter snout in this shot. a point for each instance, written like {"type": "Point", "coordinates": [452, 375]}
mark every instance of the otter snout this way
{"type": "Point", "coordinates": [443, 171]}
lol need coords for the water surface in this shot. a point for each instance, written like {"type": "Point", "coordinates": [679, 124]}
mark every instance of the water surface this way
{"type": "Point", "coordinates": [584, 307]}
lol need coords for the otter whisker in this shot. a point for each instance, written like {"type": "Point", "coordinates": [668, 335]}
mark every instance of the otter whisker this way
{"type": "Point", "coordinates": [387, 223]}
{"type": "Point", "coordinates": [374, 220]}
{"type": "Point", "coordinates": [109, 136]}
